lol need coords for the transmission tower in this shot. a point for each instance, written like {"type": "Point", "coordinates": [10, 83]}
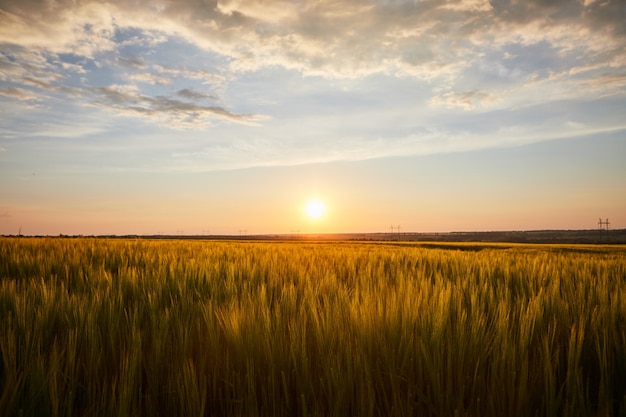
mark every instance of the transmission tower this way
{"type": "Point", "coordinates": [604, 225]}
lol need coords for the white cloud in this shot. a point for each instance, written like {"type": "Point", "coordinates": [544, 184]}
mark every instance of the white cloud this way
{"type": "Point", "coordinates": [150, 78]}
{"type": "Point", "coordinates": [336, 38]}
{"type": "Point", "coordinates": [85, 29]}
{"type": "Point", "coordinates": [197, 64]}
{"type": "Point", "coordinates": [328, 38]}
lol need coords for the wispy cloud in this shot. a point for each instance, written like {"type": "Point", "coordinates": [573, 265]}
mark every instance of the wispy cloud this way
{"type": "Point", "coordinates": [150, 78]}
{"type": "Point", "coordinates": [127, 101]}
{"type": "Point", "coordinates": [191, 94]}
{"type": "Point", "coordinates": [17, 93]}
{"type": "Point", "coordinates": [467, 100]}
{"type": "Point", "coordinates": [131, 62]}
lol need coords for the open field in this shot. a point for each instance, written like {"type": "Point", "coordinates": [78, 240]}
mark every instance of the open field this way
{"type": "Point", "coordinates": [103, 327]}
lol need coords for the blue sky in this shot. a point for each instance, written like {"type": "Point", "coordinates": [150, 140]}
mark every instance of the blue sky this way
{"type": "Point", "coordinates": [146, 117]}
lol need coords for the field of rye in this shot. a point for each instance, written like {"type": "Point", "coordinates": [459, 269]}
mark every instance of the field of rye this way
{"type": "Point", "coordinates": [97, 327]}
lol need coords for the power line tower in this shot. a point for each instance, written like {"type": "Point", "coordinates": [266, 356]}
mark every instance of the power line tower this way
{"type": "Point", "coordinates": [395, 230]}
{"type": "Point", "coordinates": [604, 225]}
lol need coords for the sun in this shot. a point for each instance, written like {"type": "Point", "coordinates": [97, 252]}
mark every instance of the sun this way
{"type": "Point", "coordinates": [315, 209]}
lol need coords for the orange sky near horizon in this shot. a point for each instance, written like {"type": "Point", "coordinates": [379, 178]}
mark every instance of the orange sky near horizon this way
{"type": "Point", "coordinates": [366, 196]}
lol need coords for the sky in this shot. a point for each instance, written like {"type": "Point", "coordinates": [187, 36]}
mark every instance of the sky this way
{"type": "Point", "coordinates": [227, 117]}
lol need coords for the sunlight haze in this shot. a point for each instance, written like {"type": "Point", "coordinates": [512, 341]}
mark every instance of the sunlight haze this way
{"type": "Point", "coordinates": [315, 209]}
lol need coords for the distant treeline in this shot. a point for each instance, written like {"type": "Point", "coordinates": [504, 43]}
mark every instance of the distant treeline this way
{"type": "Point", "coordinates": [592, 236]}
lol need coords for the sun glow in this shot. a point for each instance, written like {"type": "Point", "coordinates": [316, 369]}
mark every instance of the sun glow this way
{"type": "Point", "coordinates": [315, 209]}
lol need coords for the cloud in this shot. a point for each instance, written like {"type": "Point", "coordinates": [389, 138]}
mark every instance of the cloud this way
{"type": "Point", "coordinates": [150, 78]}
{"type": "Point", "coordinates": [191, 94]}
{"type": "Point", "coordinates": [592, 15]}
{"type": "Point", "coordinates": [345, 38]}
{"type": "Point", "coordinates": [193, 63]}
{"type": "Point", "coordinates": [42, 75]}
{"type": "Point", "coordinates": [466, 100]}
{"type": "Point", "coordinates": [17, 62]}
{"type": "Point", "coordinates": [60, 27]}
{"type": "Point", "coordinates": [52, 87]}
{"type": "Point", "coordinates": [125, 100]}
{"type": "Point", "coordinates": [18, 93]}
{"type": "Point", "coordinates": [131, 62]}
{"type": "Point", "coordinates": [328, 37]}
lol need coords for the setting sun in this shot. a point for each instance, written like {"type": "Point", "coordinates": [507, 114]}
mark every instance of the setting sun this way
{"type": "Point", "coordinates": [315, 209]}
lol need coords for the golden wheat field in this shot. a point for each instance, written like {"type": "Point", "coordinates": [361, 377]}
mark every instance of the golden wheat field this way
{"type": "Point", "coordinates": [112, 327]}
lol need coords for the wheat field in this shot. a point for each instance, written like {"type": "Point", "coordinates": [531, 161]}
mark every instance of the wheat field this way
{"type": "Point", "coordinates": [114, 327]}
